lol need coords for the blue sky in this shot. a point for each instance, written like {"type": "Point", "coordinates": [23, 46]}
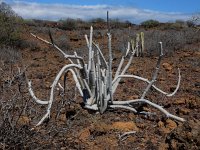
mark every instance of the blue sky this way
{"type": "Point", "coordinates": [133, 10]}
{"type": "Point", "coordinates": [185, 6]}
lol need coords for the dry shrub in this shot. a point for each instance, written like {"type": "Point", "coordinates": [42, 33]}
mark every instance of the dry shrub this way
{"type": "Point", "coordinates": [63, 42]}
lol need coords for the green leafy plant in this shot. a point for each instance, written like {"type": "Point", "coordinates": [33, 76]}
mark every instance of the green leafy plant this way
{"type": "Point", "coordinates": [9, 26]}
{"type": "Point", "coordinates": [150, 23]}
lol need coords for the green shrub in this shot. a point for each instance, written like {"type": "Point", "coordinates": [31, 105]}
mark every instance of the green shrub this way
{"type": "Point", "coordinates": [68, 24]}
{"type": "Point", "coordinates": [150, 23]}
{"type": "Point", "coordinates": [117, 23]}
{"type": "Point", "coordinates": [97, 20]}
{"type": "Point", "coordinates": [9, 26]}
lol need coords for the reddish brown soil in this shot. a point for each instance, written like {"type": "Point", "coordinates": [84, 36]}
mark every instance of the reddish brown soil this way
{"type": "Point", "coordinates": [78, 128]}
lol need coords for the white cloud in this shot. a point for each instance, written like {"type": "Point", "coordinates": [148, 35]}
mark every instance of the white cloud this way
{"type": "Point", "coordinates": [58, 11]}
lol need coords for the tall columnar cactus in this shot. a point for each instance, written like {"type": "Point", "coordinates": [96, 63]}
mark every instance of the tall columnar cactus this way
{"type": "Point", "coordinates": [142, 43]}
{"type": "Point", "coordinates": [138, 44]}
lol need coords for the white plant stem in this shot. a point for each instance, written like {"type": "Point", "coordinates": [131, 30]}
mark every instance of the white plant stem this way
{"type": "Point", "coordinates": [66, 67]}
{"type": "Point", "coordinates": [95, 83]}
{"type": "Point", "coordinates": [123, 72]}
{"type": "Point", "coordinates": [34, 97]}
{"type": "Point", "coordinates": [110, 68]}
{"type": "Point", "coordinates": [156, 88]}
{"type": "Point", "coordinates": [119, 103]}
{"type": "Point", "coordinates": [76, 81]}
{"type": "Point", "coordinates": [121, 137]}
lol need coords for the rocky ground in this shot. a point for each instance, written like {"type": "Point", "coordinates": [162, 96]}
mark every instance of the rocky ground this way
{"type": "Point", "coordinates": [73, 127]}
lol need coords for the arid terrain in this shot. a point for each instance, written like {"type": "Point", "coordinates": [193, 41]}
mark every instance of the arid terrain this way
{"type": "Point", "coordinates": [73, 127]}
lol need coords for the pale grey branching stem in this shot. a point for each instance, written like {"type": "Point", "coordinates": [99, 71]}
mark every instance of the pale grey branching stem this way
{"type": "Point", "coordinates": [104, 101]}
{"type": "Point", "coordinates": [121, 137]}
{"type": "Point", "coordinates": [110, 68]}
{"type": "Point", "coordinates": [150, 103]}
{"type": "Point", "coordinates": [155, 73]}
{"type": "Point", "coordinates": [60, 86]}
{"type": "Point", "coordinates": [66, 67]}
{"type": "Point", "coordinates": [69, 57]}
{"type": "Point", "coordinates": [128, 49]}
{"type": "Point", "coordinates": [99, 77]}
{"type": "Point", "coordinates": [78, 73]}
{"type": "Point", "coordinates": [76, 81]}
{"type": "Point", "coordinates": [156, 88]}
{"type": "Point", "coordinates": [34, 97]}
{"type": "Point", "coordinates": [47, 42]}
{"type": "Point", "coordinates": [92, 107]}
{"type": "Point", "coordinates": [94, 80]}
{"type": "Point", "coordinates": [119, 67]}
{"type": "Point", "coordinates": [90, 49]}
{"type": "Point", "coordinates": [122, 106]}
{"type": "Point", "coordinates": [101, 54]}
{"type": "Point", "coordinates": [123, 72]}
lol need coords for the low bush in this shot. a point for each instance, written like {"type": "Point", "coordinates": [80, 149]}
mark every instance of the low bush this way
{"type": "Point", "coordinates": [150, 23]}
{"type": "Point", "coordinates": [68, 24]}
{"type": "Point", "coordinates": [63, 42]}
{"type": "Point", "coordinates": [116, 23]}
{"type": "Point", "coordinates": [97, 20]}
{"type": "Point", "coordinates": [173, 40]}
{"type": "Point", "coordinates": [9, 26]}
{"type": "Point", "coordinates": [9, 54]}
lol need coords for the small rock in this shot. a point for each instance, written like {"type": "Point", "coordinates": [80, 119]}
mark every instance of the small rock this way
{"type": "Point", "coordinates": [48, 85]}
{"type": "Point", "coordinates": [197, 53]}
{"type": "Point", "coordinates": [184, 111]}
{"type": "Point", "coordinates": [23, 120]}
{"type": "Point", "coordinates": [84, 134]}
{"type": "Point", "coordinates": [141, 125]}
{"type": "Point", "coordinates": [63, 118]}
{"type": "Point", "coordinates": [170, 124]}
{"type": "Point", "coordinates": [173, 144]}
{"type": "Point", "coordinates": [189, 135]}
{"type": "Point", "coordinates": [186, 55]}
{"type": "Point", "coordinates": [160, 124]}
{"type": "Point", "coordinates": [62, 78]}
{"type": "Point", "coordinates": [132, 70]}
{"type": "Point", "coordinates": [167, 66]}
{"type": "Point", "coordinates": [165, 130]}
{"type": "Point", "coordinates": [196, 69]}
{"type": "Point", "coordinates": [163, 146]}
{"type": "Point", "coordinates": [62, 110]}
{"type": "Point", "coordinates": [100, 128]}
{"type": "Point", "coordinates": [179, 101]}
{"type": "Point", "coordinates": [125, 126]}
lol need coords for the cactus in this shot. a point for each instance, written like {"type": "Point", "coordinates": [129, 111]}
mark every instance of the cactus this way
{"type": "Point", "coordinates": [142, 43]}
{"type": "Point", "coordinates": [138, 44]}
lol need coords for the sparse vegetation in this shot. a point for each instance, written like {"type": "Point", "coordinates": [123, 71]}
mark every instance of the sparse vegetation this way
{"type": "Point", "coordinates": [73, 127]}
{"type": "Point", "coordinates": [63, 41]}
{"type": "Point", "coordinates": [9, 26]}
{"type": "Point", "coordinates": [68, 24]}
{"type": "Point", "coordinates": [150, 23]}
